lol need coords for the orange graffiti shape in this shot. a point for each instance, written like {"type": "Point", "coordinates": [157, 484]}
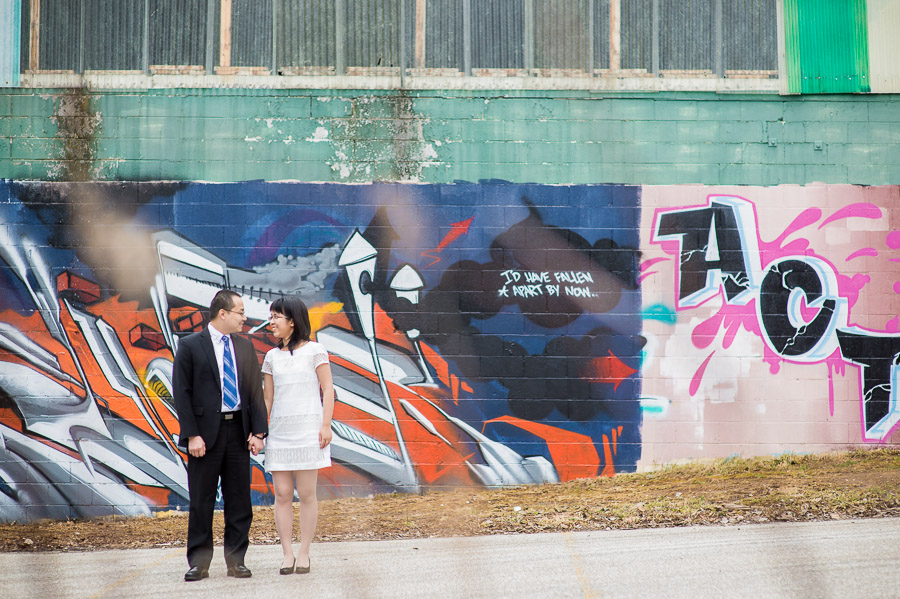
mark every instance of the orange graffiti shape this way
{"type": "Point", "coordinates": [573, 454]}
{"type": "Point", "coordinates": [609, 369]}
{"type": "Point", "coordinates": [456, 231]}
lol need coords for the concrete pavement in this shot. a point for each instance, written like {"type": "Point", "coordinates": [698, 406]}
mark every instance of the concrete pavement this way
{"type": "Point", "coordinates": [843, 559]}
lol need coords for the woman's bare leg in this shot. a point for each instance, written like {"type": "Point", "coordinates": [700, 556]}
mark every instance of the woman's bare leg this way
{"type": "Point", "coordinates": [284, 513]}
{"type": "Point", "coordinates": [309, 512]}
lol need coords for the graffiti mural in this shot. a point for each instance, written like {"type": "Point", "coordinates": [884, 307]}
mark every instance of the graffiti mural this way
{"type": "Point", "coordinates": [480, 334]}
{"type": "Point", "coordinates": [772, 312]}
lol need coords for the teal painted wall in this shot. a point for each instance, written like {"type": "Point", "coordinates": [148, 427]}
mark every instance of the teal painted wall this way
{"type": "Point", "coordinates": [436, 137]}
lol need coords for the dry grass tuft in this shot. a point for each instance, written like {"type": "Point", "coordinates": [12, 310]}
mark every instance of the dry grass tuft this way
{"type": "Point", "coordinates": [863, 483]}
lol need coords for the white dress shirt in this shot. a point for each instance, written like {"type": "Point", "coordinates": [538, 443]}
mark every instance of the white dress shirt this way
{"type": "Point", "coordinates": [219, 348]}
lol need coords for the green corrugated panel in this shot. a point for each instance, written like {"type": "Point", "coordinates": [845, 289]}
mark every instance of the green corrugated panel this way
{"type": "Point", "coordinates": [792, 45]}
{"type": "Point", "coordinates": [10, 21]}
{"type": "Point", "coordinates": [826, 43]}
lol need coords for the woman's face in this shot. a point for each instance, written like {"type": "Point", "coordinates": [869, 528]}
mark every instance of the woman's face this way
{"type": "Point", "coordinates": [281, 326]}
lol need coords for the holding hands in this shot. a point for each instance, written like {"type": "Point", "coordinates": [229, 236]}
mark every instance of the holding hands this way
{"type": "Point", "coordinates": [255, 444]}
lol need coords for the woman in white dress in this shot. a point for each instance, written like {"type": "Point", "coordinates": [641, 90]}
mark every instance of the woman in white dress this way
{"type": "Point", "coordinates": [300, 400]}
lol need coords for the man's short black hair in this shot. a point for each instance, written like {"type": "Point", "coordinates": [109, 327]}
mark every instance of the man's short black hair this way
{"type": "Point", "coordinates": [223, 300]}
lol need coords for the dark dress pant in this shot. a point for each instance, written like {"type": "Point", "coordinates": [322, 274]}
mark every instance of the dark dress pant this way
{"type": "Point", "coordinates": [228, 459]}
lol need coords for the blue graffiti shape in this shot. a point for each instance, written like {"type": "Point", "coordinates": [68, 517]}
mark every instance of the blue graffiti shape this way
{"type": "Point", "coordinates": [660, 312]}
{"type": "Point", "coordinates": [557, 377]}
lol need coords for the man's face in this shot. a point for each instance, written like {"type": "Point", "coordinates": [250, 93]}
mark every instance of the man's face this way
{"type": "Point", "coordinates": [233, 320]}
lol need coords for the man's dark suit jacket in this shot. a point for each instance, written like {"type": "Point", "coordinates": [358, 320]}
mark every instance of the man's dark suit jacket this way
{"type": "Point", "coordinates": [197, 388]}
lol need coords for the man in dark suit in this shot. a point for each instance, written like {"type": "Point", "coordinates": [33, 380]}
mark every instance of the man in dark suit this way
{"type": "Point", "coordinates": [222, 414]}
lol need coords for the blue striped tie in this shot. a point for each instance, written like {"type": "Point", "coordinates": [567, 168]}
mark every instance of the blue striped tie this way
{"type": "Point", "coordinates": [229, 383]}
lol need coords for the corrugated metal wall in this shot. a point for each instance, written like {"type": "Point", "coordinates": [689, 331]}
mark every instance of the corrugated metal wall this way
{"type": "Point", "coordinates": [112, 34]}
{"type": "Point", "coordinates": [498, 40]}
{"type": "Point", "coordinates": [749, 24]}
{"type": "Point", "coordinates": [306, 32]}
{"type": "Point", "coordinates": [251, 33]}
{"type": "Point", "coordinates": [443, 43]}
{"type": "Point", "coordinates": [827, 46]}
{"type": "Point", "coordinates": [23, 35]}
{"type": "Point", "coordinates": [884, 45]}
{"type": "Point", "coordinates": [10, 20]}
{"type": "Point", "coordinates": [561, 34]}
{"type": "Point", "coordinates": [60, 47]}
{"type": "Point", "coordinates": [178, 34]}
{"type": "Point", "coordinates": [638, 31]}
{"type": "Point", "coordinates": [685, 38]}
{"type": "Point", "coordinates": [373, 33]}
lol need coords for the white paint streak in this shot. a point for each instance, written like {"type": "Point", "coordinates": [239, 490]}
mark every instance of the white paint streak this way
{"type": "Point", "coordinates": [428, 152]}
{"type": "Point", "coordinates": [341, 167]}
{"type": "Point", "coordinates": [320, 134]}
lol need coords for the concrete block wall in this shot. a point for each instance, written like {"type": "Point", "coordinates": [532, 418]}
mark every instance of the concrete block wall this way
{"type": "Point", "coordinates": [602, 283]}
{"type": "Point", "coordinates": [549, 137]}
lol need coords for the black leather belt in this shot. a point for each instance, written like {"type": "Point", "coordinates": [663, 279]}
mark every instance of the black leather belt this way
{"type": "Point", "coordinates": [230, 415]}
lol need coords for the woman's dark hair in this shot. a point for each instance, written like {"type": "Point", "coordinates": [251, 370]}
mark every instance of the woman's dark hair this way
{"type": "Point", "coordinates": [294, 309]}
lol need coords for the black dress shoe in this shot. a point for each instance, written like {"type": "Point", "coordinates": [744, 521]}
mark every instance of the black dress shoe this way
{"type": "Point", "coordinates": [239, 571]}
{"type": "Point", "coordinates": [303, 569]}
{"type": "Point", "coordinates": [289, 570]}
{"type": "Point", "coordinates": [196, 573]}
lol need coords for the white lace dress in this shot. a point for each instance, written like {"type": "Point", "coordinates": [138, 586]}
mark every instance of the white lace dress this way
{"type": "Point", "coordinates": [296, 417]}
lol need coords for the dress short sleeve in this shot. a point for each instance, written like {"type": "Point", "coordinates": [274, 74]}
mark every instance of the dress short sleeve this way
{"type": "Point", "coordinates": [320, 356]}
{"type": "Point", "coordinates": [267, 363]}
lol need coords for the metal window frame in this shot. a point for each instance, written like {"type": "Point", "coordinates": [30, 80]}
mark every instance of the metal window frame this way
{"type": "Point", "coordinates": [616, 79]}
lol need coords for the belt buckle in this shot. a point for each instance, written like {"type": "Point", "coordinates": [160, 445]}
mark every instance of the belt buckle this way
{"type": "Point", "coordinates": [228, 415]}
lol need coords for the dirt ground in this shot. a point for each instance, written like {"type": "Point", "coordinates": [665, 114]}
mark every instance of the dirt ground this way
{"type": "Point", "coordinates": [858, 484]}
